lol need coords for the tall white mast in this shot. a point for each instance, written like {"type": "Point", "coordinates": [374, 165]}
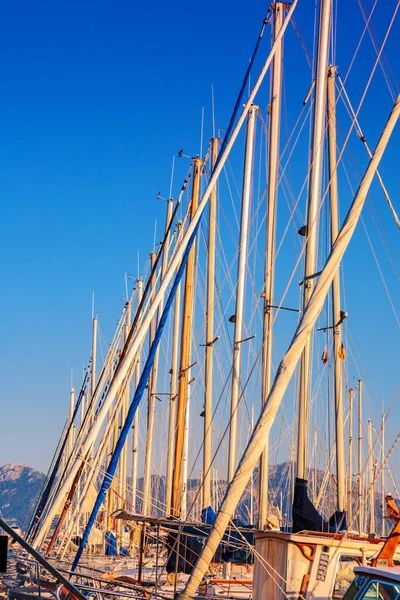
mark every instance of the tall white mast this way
{"type": "Point", "coordinates": [84, 405]}
{"type": "Point", "coordinates": [135, 426]}
{"type": "Point", "coordinates": [185, 456]}
{"type": "Point", "coordinates": [314, 192]}
{"type": "Point", "coordinates": [70, 414]}
{"type": "Point", "coordinates": [337, 333]}
{"type": "Point", "coordinates": [252, 475]}
{"type": "Point", "coordinates": [209, 346]}
{"type": "Point", "coordinates": [71, 404]}
{"type": "Point", "coordinates": [123, 462]}
{"type": "Point", "coordinates": [93, 380]}
{"type": "Point", "coordinates": [360, 461]}
{"type": "Point", "coordinates": [269, 273]}
{"type": "Point", "coordinates": [350, 474]}
{"type": "Point", "coordinates": [150, 409]}
{"type": "Point", "coordinates": [241, 273]}
{"type": "Point", "coordinates": [383, 475]}
{"type": "Point", "coordinates": [371, 480]}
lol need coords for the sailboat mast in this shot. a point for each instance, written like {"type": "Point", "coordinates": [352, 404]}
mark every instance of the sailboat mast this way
{"type": "Point", "coordinates": [314, 191]}
{"type": "Point", "coordinates": [241, 273]}
{"type": "Point", "coordinates": [383, 476]}
{"type": "Point", "coordinates": [184, 370]}
{"type": "Point", "coordinates": [371, 480]}
{"type": "Point", "coordinates": [209, 349]}
{"type": "Point", "coordinates": [114, 418]}
{"type": "Point", "coordinates": [94, 357]}
{"type": "Point", "coordinates": [360, 460]}
{"type": "Point", "coordinates": [154, 371]}
{"type": "Point", "coordinates": [252, 475]}
{"type": "Point", "coordinates": [185, 455]}
{"type": "Point", "coordinates": [337, 333]}
{"type": "Point", "coordinates": [269, 273]}
{"type": "Point", "coordinates": [150, 409]}
{"type": "Point", "coordinates": [350, 474]}
{"type": "Point", "coordinates": [173, 394]}
{"type": "Point", "coordinates": [70, 414]}
{"type": "Point", "coordinates": [135, 427]}
{"type": "Point", "coordinates": [123, 464]}
{"type": "Point", "coordinates": [71, 404]}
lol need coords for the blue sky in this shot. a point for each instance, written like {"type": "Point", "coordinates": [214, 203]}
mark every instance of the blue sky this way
{"type": "Point", "coordinates": [95, 99]}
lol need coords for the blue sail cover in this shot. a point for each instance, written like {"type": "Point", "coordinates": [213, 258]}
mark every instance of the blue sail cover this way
{"type": "Point", "coordinates": [208, 515]}
{"type": "Point", "coordinates": [183, 552]}
{"type": "Point", "coordinates": [111, 544]}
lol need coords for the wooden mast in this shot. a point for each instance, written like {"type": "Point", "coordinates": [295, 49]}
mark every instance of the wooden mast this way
{"type": "Point", "coordinates": [154, 371]}
{"type": "Point", "coordinates": [209, 346]}
{"type": "Point", "coordinates": [241, 274]}
{"type": "Point", "coordinates": [135, 426]}
{"type": "Point", "coordinates": [336, 313]}
{"type": "Point", "coordinates": [173, 393]}
{"type": "Point", "coordinates": [269, 269]}
{"type": "Point", "coordinates": [310, 259]}
{"type": "Point", "coordinates": [185, 357]}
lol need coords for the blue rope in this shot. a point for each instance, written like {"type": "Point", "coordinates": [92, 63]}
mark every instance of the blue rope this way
{"type": "Point", "coordinates": [112, 467]}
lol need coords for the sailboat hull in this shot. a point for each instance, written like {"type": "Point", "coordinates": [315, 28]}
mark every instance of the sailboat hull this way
{"type": "Point", "coordinates": [311, 565]}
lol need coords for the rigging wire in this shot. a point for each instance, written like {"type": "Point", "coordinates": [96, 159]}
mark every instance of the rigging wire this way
{"type": "Point", "coordinates": [382, 60]}
{"type": "Point", "coordinates": [243, 87]}
{"type": "Point", "coordinates": [362, 138]}
{"type": "Point", "coordinates": [374, 255]}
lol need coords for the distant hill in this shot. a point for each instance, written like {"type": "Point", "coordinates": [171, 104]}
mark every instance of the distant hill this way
{"type": "Point", "coordinates": [19, 488]}
{"type": "Point", "coordinates": [280, 495]}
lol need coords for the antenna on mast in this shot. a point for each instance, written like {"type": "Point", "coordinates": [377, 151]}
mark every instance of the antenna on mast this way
{"type": "Point", "coordinates": [172, 177]}
{"type": "Point", "coordinates": [201, 132]}
{"type": "Point", "coordinates": [213, 110]}
{"type": "Point", "coordinates": [126, 287]}
{"type": "Point", "coordinates": [92, 306]}
{"type": "Point", "coordinates": [155, 234]}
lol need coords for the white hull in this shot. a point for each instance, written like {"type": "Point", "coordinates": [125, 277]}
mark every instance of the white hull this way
{"type": "Point", "coordinates": [313, 565]}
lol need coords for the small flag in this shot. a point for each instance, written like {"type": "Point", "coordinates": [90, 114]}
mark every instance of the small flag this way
{"type": "Point", "coordinates": [325, 356]}
{"type": "Point", "coordinates": [342, 352]}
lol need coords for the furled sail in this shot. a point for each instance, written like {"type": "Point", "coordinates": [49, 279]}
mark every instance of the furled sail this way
{"type": "Point", "coordinates": [307, 518]}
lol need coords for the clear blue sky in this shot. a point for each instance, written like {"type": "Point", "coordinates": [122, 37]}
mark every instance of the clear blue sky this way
{"type": "Point", "coordinates": [96, 97]}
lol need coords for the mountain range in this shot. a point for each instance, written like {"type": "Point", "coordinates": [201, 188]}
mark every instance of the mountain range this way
{"type": "Point", "coordinates": [19, 488]}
